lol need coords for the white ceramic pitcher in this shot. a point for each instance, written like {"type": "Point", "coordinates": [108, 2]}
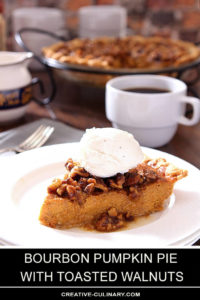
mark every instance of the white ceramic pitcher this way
{"type": "Point", "coordinates": [15, 85]}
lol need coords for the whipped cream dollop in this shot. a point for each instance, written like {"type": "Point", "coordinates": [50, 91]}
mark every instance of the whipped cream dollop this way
{"type": "Point", "coordinates": [104, 152]}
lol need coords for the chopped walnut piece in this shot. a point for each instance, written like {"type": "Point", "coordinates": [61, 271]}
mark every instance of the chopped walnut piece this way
{"type": "Point", "coordinates": [106, 223]}
{"type": "Point", "coordinates": [162, 171]}
{"type": "Point", "coordinates": [71, 190]}
{"type": "Point", "coordinates": [89, 188]}
{"type": "Point", "coordinates": [100, 184]}
{"type": "Point", "coordinates": [112, 220]}
{"type": "Point", "coordinates": [133, 192]}
{"type": "Point", "coordinates": [113, 184]}
{"type": "Point", "coordinates": [157, 162]}
{"type": "Point", "coordinates": [112, 212]}
{"type": "Point", "coordinates": [79, 171]}
{"type": "Point", "coordinates": [82, 183]}
{"type": "Point", "coordinates": [69, 164]}
{"type": "Point", "coordinates": [54, 185]}
{"type": "Point", "coordinates": [132, 178]}
{"type": "Point", "coordinates": [70, 181]}
{"type": "Point", "coordinates": [66, 175]}
{"type": "Point", "coordinates": [61, 190]}
{"type": "Point", "coordinates": [151, 175]}
{"type": "Point", "coordinates": [128, 217]}
{"type": "Point", "coordinates": [80, 197]}
{"type": "Point", "coordinates": [118, 182]}
{"type": "Point", "coordinates": [91, 180]}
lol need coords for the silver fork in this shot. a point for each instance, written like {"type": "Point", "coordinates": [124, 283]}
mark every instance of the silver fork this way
{"type": "Point", "coordinates": [35, 140]}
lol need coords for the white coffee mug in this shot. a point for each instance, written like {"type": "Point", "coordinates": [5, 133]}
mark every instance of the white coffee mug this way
{"type": "Point", "coordinates": [152, 118]}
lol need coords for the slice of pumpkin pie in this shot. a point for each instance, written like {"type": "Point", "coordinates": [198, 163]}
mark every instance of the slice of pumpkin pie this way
{"type": "Point", "coordinates": [110, 185]}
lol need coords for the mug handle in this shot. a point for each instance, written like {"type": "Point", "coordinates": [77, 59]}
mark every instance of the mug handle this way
{"type": "Point", "coordinates": [195, 102]}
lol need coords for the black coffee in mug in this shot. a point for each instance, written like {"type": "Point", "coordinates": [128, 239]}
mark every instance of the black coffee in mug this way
{"type": "Point", "coordinates": [146, 90]}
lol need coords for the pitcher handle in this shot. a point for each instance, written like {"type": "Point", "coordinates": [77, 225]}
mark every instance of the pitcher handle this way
{"type": "Point", "coordinates": [39, 82]}
{"type": "Point", "coordinates": [19, 40]}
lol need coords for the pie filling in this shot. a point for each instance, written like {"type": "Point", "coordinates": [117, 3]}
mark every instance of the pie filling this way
{"type": "Point", "coordinates": [108, 204]}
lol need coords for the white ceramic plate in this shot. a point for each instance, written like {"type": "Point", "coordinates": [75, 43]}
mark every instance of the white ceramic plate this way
{"type": "Point", "coordinates": [25, 177]}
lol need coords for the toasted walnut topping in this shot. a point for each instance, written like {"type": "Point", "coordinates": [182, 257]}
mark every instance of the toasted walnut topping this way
{"type": "Point", "coordinates": [78, 183]}
{"type": "Point", "coordinates": [78, 180]}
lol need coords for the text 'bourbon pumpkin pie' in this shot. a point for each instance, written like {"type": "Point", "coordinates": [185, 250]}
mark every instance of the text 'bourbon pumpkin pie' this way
{"type": "Point", "coordinates": [106, 203]}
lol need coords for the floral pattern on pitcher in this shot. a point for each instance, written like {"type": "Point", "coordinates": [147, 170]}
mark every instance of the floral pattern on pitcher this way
{"type": "Point", "coordinates": [15, 98]}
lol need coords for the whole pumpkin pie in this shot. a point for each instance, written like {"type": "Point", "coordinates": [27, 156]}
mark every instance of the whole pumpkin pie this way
{"type": "Point", "coordinates": [82, 198]}
{"type": "Point", "coordinates": [131, 52]}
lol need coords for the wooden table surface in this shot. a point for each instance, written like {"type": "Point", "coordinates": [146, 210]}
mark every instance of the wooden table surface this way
{"type": "Point", "coordinates": [83, 107]}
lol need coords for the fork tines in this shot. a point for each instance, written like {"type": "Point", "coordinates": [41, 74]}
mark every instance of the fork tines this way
{"type": "Point", "coordinates": [38, 138]}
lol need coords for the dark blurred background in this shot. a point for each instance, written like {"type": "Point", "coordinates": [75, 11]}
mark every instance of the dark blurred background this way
{"type": "Point", "coordinates": [171, 18]}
